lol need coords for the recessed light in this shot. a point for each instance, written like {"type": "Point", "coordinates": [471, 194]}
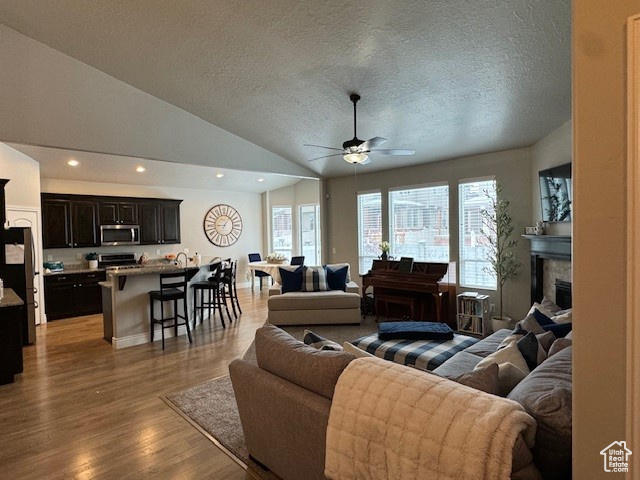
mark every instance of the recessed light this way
{"type": "Point", "coordinates": [140, 169]}
{"type": "Point", "coordinates": [73, 162]}
{"type": "Point", "coordinates": [219, 175]}
{"type": "Point", "coordinates": [261, 179]}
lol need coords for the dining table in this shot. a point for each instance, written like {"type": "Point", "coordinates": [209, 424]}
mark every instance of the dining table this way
{"type": "Point", "coordinates": [272, 269]}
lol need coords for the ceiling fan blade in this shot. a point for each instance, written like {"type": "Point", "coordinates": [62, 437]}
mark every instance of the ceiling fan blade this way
{"type": "Point", "coordinates": [321, 146]}
{"type": "Point", "coordinates": [325, 156]}
{"type": "Point", "coordinates": [393, 152]}
{"type": "Point", "coordinates": [371, 143]}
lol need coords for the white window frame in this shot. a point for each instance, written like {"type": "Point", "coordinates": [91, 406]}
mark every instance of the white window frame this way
{"type": "Point", "coordinates": [415, 187]}
{"type": "Point", "coordinates": [318, 236]}
{"type": "Point", "coordinates": [360, 233]}
{"type": "Point", "coordinates": [461, 239]}
{"type": "Point", "coordinates": [273, 237]}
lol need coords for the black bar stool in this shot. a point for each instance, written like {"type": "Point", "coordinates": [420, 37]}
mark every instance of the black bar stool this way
{"type": "Point", "coordinates": [173, 287]}
{"type": "Point", "coordinates": [230, 288]}
{"type": "Point", "coordinates": [213, 286]}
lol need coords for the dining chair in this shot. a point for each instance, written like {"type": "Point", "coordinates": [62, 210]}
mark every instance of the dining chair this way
{"type": "Point", "coordinates": [255, 257]}
{"type": "Point", "coordinates": [297, 260]}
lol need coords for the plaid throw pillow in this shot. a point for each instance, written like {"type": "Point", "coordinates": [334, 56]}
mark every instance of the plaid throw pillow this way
{"type": "Point", "coordinates": [314, 279]}
{"type": "Point", "coordinates": [319, 342]}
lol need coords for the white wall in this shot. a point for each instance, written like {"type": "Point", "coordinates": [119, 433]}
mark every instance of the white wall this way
{"type": "Point", "coordinates": [304, 192]}
{"type": "Point", "coordinates": [195, 205]}
{"type": "Point", "coordinates": [512, 169]}
{"type": "Point", "coordinates": [50, 99]}
{"type": "Point", "coordinates": [23, 190]}
{"type": "Point", "coordinates": [551, 151]}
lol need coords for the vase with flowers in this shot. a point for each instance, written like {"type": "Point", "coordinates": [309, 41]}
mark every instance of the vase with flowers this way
{"type": "Point", "coordinates": [384, 248]}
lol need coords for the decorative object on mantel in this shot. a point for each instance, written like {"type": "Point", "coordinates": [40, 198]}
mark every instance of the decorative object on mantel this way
{"type": "Point", "coordinates": [275, 258]}
{"type": "Point", "coordinates": [504, 263]}
{"type": "Point", "coordinates": [222, 225]}
{"type": "Point", "coordinates": [384, 248]}
{"type": "Point", "coordinates": [539, 228]}
{"type": "Point", "coordinates": [529, 230]}
{"type": "Point", "coordinates": [92, 258]}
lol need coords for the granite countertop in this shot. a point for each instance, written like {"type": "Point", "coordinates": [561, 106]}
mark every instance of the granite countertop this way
{"type": "Point", "coordinates": [75, 268]}
{"type": "Point", "coordinates": [149, 269]}
{"type": "Point", "coordinates": [105, 284]}
{"type": "Point", "coordinates": [10, 299]}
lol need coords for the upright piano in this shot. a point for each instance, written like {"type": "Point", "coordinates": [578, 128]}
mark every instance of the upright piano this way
{"type": "Point", "coordinates": [428, 292]}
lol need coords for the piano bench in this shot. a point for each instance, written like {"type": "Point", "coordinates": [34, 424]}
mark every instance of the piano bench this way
{"type": "Point", "coordinates": [385, 300]}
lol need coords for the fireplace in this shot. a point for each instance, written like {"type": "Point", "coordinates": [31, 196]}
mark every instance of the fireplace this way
{"type": "Point", "coordinates": [545, 248]}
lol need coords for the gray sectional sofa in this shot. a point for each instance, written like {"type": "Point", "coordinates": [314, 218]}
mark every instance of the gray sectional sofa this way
{"type": "Point", "coordinates": [284, 404]}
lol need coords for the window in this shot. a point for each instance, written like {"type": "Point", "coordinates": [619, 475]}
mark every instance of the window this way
{"type": "Point", "coordinates": [369, 229]}
{"type": "Point", "coordinates": [419, 221]}
{"type": "Point", "coordinates": [310, 233]}
{"type": "Point", "coordinates": [475, 196]}
{"type": "Point", "coordinates": [282, 230]}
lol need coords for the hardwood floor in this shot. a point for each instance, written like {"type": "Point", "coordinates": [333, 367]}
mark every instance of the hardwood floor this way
{"type": "Point", "coordinates": [84, 410]}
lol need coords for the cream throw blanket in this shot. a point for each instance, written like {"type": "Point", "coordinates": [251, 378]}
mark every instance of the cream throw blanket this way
{"type": "Point", "coordinates": [391, 422]}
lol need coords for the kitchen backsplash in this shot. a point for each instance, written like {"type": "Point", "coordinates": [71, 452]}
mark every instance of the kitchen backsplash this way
{"type": "Point", "coordinates": [70, 255]}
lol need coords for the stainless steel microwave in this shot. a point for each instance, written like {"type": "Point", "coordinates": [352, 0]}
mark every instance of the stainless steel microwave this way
{"type": "Point", "coordinates": [119, 235]}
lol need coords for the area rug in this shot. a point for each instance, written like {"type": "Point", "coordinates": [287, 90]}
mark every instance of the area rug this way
{"type": "Point", "coordinates": [211, 408]}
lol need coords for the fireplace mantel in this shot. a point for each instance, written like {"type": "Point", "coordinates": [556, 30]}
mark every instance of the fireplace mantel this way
{"type": "Point", "coordinates": [556, 247]}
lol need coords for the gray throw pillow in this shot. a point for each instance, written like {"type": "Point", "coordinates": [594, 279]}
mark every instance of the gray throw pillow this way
{"type": "Point", "coordinates": [559, 344]}
{"type": "Point", "coordinates": [546, 339]}
{"type": "Point", "coordinates": [530, 324]}
{"type": "Point", "coordinates": [485, 379]}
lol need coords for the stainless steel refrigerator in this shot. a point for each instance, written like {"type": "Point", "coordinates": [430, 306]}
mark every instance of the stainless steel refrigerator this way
{"type": "Point", "coordinates": [17, 269]}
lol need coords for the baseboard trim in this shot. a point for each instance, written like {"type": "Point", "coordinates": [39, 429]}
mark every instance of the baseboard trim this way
{"type": "Point", "coordinates": [142, 338]}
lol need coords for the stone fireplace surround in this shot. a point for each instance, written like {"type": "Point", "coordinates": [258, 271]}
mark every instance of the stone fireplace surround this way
{"type": "Point", "coordinates": [550, 261]}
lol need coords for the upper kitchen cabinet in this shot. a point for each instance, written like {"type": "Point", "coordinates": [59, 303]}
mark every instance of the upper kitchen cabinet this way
{"type": "Point", "coordinates": [69, 223]}
{"type": "Point", "coordinates": [56, 223]}
{"type": "Point", "coordinates": [160, 222]}
{"type": "Point", "coordinates": [118, 213]}
{"type": "Point", "coordinates": [84, 223]}
{"type": "Point", "coordinates": [75, 220]}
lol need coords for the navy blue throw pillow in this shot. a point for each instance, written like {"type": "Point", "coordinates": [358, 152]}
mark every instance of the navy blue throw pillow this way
{"type": "Point", "coordinates": [337, 279]}
{"type": "Point", "coordinates": [542, 319]}
{"type": "Point", "coordinates": [291, 280]}
{"type": "Point", "coordinates": [559, 329]}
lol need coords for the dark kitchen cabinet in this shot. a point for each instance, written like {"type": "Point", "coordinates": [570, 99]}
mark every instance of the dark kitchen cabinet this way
{"type": "Point", "coordinates": [56, 223]}
{"type": "Point", "coordinates": [159, 222]}
{"type": "Point", "coordinates": [73, 294]}
{"type": "Point", "coordinates": [118, 213]}
{"type": "Point", "coordinates": [84, 223]}
{"type": "Point", "coordinates": [74, 220]}
{"type": "Point", "coordinates": [170, 215]}
{"type": "Point", "coordinates": [69, 223]}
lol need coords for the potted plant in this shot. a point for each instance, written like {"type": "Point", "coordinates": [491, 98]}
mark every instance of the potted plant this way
{"type": "Point", "coordinates": [384, 248]}
{"type": "Point", "coordinates": [501, 243]}
{"type": "Point", "coordinates": [92, 257]}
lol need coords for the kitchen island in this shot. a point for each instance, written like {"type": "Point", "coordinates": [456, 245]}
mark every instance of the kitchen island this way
{"type": "Point", "coordinates": [125, 301]}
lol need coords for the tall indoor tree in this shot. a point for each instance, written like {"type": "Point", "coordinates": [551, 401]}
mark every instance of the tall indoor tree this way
{"type": "Point", "coordinates": [501, 240]}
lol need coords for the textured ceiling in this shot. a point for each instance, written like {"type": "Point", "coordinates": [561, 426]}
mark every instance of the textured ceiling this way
{"type": "Point", "coordinates": [447, 78]}
{"type": "Point", "coordinates": [94, 167]}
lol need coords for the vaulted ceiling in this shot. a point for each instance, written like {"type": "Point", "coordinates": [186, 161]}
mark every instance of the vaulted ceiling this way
{"type": "Point", "coordinates": [447, 78]}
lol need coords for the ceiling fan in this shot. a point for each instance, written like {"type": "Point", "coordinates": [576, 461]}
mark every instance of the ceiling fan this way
{"type": "Point", "coordinates": [357, 151]}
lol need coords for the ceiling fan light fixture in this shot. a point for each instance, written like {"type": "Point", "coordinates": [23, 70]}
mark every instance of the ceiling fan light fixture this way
{"type": "Point", "coordinates": [355, 157]}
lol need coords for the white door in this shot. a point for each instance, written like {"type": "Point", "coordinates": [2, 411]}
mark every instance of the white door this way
{"type": "Point", "coordinates": [27, 217]}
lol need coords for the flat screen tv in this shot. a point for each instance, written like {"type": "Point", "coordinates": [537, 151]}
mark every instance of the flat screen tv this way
{"type": "Point", "coordinates": [556, 193]}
